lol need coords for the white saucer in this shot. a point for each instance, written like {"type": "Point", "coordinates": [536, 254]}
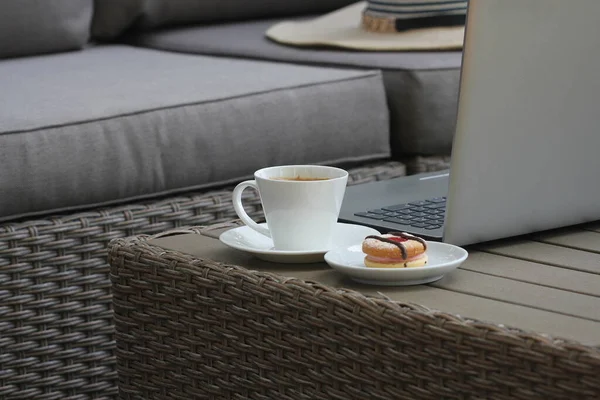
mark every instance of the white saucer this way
{"type": "Point", "coordinates": [443, 258]}
{"type": "Point", "coordinates": [248, 240]}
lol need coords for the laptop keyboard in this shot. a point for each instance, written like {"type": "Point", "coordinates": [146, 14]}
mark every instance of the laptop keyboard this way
{"type": "Point", "coordinates": [426, 214]}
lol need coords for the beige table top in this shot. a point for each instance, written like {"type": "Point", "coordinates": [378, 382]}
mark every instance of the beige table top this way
{"type": "Point", "coordinates": [547, 282]}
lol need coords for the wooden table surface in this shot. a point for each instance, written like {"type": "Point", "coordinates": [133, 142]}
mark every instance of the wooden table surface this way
{"type": "Point", "coordinates": [547, 282]}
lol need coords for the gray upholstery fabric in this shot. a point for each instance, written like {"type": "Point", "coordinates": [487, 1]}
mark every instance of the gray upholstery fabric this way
{"type": "Point", "coordinates": [29, 27]}
{"type": "Point", "coordinates": [112, 17]}
{"type": "Point", "coordinates": [115, 123]}
{"type": "Point", "coordinates": [422, 87]}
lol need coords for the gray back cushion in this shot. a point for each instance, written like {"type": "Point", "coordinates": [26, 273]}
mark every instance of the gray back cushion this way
{"type": "Point", "coordinates": [29, 27]}
{"type": "Point", "coordinates": [113, 17]}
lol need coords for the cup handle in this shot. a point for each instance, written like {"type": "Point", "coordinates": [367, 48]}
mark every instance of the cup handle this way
{"type": "Point", "coordinates": [239, 209]}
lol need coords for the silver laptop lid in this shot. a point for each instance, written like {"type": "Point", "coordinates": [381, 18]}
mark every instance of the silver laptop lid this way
{"type": "Point", "coordinates": [526, 154]}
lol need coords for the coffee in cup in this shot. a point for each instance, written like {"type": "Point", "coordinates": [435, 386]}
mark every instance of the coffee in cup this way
{"type": "Point", "coordinates": [301, 179]}
{"type": "Point", "coordinates": [301, 205]}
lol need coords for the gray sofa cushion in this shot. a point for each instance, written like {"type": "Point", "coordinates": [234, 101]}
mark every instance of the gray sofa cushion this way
{"type": "Point", "coordinates": [115, 123]}
{"type": "Point", "coordinates": [422, 87]}
{"type": "Point", "coordinates": [29, 27]}
{"type": "Point", "coordinates": [112, 17]}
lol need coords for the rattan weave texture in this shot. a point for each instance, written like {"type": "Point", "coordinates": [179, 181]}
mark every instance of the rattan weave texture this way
{"type": "Point", "coordinates": [191, 328]}
{"type": "Point", "coordinates": [56, 321]}
{"type": "Point", "coordinates": [422, 164]}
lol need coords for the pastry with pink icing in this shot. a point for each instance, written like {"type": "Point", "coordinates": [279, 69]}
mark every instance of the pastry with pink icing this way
{"type": "Point", "coordinates": [395, 250]}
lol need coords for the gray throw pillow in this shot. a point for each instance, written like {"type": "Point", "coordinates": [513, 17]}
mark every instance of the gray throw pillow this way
{"type": "Point", "coordinates": [29, 27]}
{"type": "Point", "coordinates": [113, 17]}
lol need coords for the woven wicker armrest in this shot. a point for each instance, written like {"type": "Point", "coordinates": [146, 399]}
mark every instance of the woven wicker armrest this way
{"type": "Point", "coordinates": [190, 328]}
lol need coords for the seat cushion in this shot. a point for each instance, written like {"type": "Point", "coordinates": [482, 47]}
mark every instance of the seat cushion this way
{"type": "Point", "coordinates": [115, 123]}
{"type": "Point", "coordinates": [422, 87]}
{"type": "Point", "coordinates": [112, 17]}
{"type": "Point", "coordinates": [29, 27]}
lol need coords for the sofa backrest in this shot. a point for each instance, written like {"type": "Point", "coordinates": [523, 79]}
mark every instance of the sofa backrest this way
{"type": "Point", "coordinates": [30, 27]}
{"type": "Point", "coordinates": [113, 17]}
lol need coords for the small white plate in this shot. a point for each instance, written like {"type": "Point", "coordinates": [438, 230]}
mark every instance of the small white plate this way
{"type": "Point", "coordinates": [443, 258]}
{"type": "Point", "coordinates": [248, 240]}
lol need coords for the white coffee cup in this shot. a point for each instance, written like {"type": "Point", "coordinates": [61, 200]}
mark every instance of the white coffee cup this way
{"type": "Point", "coordinates": [301, 214]}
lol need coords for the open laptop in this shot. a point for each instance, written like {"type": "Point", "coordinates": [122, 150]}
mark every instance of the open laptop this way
{"type": "Point", "coordinates": [526, 152]}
